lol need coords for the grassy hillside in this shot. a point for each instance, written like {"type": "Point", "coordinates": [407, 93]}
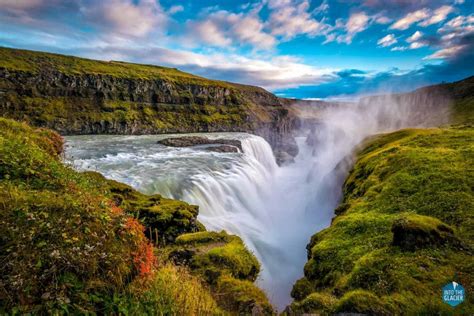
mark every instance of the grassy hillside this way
{"type": "Point", "coordinates": [35, 62]}
{"type": "Point", "coordinates": [77, 243]}
{"type": "Point", "coordinates": [403, 230]}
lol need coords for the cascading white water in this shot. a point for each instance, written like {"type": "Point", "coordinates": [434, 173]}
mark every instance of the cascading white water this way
{"type": "Point", "coordinates": [274, 209]}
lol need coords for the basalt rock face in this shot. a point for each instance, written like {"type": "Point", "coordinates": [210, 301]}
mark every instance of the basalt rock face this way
{"type": "Point", "coordinates": [78, 96]}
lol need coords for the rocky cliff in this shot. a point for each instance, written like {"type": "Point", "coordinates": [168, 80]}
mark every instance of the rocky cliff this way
{"type": "Point", "coordinates": [80, 96]}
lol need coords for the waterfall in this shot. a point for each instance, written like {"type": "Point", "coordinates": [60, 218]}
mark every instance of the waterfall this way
{"type": "Point", "coordinates": [275, 210]}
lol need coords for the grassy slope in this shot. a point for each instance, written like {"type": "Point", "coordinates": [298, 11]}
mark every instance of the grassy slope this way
{"type": "Point", "coordinates": [31, 61]}
{"type": "Point", "coordinates": [403, 230]}
{"type": "Point", "coordinates": [69, 244]}
{"type": "Point", "coordinates": [34, 62]}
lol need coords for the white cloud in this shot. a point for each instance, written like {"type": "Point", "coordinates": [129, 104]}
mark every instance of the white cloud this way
{"type": "Point", "coordinates": [424, 16]}
{"type": "Point", "coordinates": [399, 48]}
{"type": "Point", "coordinates": [415, 37]}
{"type": "Point", "coordinates": [267, 71]}
{"type": "Point", "coordinates": [460, 25]}
{"type": "Point", "coordinates": [439, 15]}
{"type": "Point", "coordinates": [416, 41]}
{"type": "Point", "coordinates": [416, 45]}
{"type": "Point", "coordinates": [387, 40]}
{"type": "Point", "coordinates": [289, 19]}
{"type": "Point", "coordinates": [446, 52]}
{"type": "Point", "coordinates": [323, 7]}
{"type": "Point", "coordinates": [412, 17]}
{"type": "Point", "coordinates": [454, 36]}
{"type": "Point", "coordinates": [224, 28]}
{"type": "Point", "coordinates": [356, 23]}
{"type": "Point", "coordinates": [382, 19]}
{"type": "Point", "coordinates": [175, 9]}
{"type": "Point", "coordinates": [286, 20]}
{"type": "Point", "coordinates": [20, 4]}
{"type": "Point", "coordinates": [456, 29]}
{"type": "Point", "coordinates": [126, 17]}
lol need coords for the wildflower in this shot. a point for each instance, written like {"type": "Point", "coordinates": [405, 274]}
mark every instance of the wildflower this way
{"type": "Point", "coordinates": [55, 254]}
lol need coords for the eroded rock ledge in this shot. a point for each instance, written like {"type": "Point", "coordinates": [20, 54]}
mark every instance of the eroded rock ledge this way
{"type": "Point", "coordinates": [222, 145]}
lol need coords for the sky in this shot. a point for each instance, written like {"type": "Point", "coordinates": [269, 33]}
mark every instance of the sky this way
{"type": "Point", "coordinates": [313, 49]}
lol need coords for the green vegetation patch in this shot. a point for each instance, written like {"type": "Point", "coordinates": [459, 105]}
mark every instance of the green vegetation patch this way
{"type": "Point", "coordinates": [61, 242]}
{"type": "Point", "coordinates": [215, 254]}
{"type": "Point", "coordinates": [229, 268]}
{"type": "Point", "coordinates": [402, 231]}
{"type": "Point", "coordinates": [164, 219]}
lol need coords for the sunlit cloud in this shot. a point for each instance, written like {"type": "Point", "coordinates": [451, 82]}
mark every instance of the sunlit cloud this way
{"type": "Point", "coordinates": [387, 40]}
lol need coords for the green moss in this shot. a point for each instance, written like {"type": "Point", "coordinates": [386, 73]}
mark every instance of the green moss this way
{"type": "Point", "coordinates": [301, 289]}
{"type": "Point", "coordinates": [32, 61]}
{"type": "Point", "coordinates": [224, 262]}
{"type": "Point", "coordinates": [361, 302]}
{"type": "Point", "coordinates": [242, 296]}
{"type": "Point", "coordinates": [172, 291]}
{"type": "Point", "coordinates": [164, 219]}
{"type": "Point", "coordinates": [203, 238]}
{"type": "Point", "coordinates": [315, 303]}
{"type": "Point", "coordinates": [215, 254]}
{"type": "Point", "coordinates": [417, 231]}
{"type": "Point", "coordinates": [404, 227]}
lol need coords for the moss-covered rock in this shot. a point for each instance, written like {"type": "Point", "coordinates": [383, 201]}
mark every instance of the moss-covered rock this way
{"type": "Point", "coordinates": [217, 254]}
{"type": "Point", "coordinates": [301, 289]}
{"type": "Point", "coordinates": [224, 262]}
{"type": "Point", "coordinates": [417, 231]}
{"type": "Point", "coordinates": [164, 219]}
{"type": "Point", "coordinates": [315, 303]}
{"type": "Point", "coordinates": [361, 302]}
{"type": "Point", "coordinates": [242, 296]}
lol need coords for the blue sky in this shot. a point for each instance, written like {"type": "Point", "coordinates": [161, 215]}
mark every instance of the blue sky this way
{"type": "Point", "coordinates": [295, 48]}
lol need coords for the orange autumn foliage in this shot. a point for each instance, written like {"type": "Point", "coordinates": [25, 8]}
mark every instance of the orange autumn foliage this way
{"type": "Point", "coordinates": [144, 258]}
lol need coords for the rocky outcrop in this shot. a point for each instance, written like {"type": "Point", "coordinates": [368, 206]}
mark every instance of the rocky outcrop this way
{"type": "Point", "coordinates": [417, 232]}
{"type": "Point", "coordinates": [189, 141]}
{"type": "Point", "coordinates": [223, 149]}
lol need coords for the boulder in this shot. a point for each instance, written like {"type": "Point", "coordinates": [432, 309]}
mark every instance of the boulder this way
{"type": "Point", "coordinates": [223, 149]}
{"type": "Point", "coordinates": [417, 231]}
{"type": "Point", "coordinates": [189, 141]}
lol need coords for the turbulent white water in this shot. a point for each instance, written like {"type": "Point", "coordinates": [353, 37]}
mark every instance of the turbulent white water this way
{"type": "Point", "coordinates": [274, 209]}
